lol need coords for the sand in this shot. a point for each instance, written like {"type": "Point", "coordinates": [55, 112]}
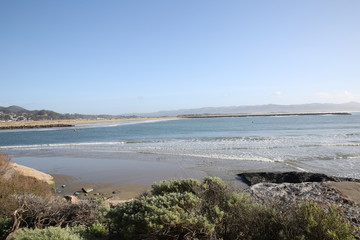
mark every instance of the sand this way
{"type": "Point", "coordinates": [350, 190]}
{"type": "Point", "coordinates": [70, 122]}
{"type": "Point", "coordinates": [117, 176]}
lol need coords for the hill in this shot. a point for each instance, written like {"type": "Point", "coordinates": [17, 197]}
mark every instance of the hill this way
{"type": "Point", "coordinates": [16, 113]}
{"type": "Point", "coordinates": [13, 108]}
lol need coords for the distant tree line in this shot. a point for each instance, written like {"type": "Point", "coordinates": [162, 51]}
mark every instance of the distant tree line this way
{"type": "Point", "coordinates": [36, 115]}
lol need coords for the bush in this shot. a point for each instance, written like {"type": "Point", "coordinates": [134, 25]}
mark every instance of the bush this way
{"type": "Point", "coordinates": [175, 186]}
{"type": "Point", "coordinates": [311, 221]}
{"type": "Point", "coordinates": [98, 230]}
{"type": "Point", "coordinates": [4, 163]}
{"type": "Point", "coordinates": [189, 209]}
{"type": "Point", "coordinates": [12, 183]}
{"type": "Point", "coordinates": [50, 233]}
{"type": "Point", "coordinates": [5, 226]}
{"type": "Point", "coordinates": [38, 212]}
{"type": "Point", "coordinates": [171, 216]}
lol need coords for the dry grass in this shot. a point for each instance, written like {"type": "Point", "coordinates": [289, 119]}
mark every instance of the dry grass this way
{"type": "Point", "coordinates": [17, 184]}
{"type": "Point", "coordinates": [4, 163]}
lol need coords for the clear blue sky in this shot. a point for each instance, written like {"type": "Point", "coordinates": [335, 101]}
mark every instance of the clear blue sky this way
{"type": "Point", "coordinates": [114, 57]}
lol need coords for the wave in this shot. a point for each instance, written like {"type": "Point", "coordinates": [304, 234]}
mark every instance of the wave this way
{"type": "Point", "coordinates": [58, 145]}
{"type": "Point", "coordinates": [330, 145]}
{"type": "Point", "coordinates": [213, 143]}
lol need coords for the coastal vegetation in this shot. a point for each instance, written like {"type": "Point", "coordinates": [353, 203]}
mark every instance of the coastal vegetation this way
{"type": "Point", "coordinates": [175, 209]}
{"type": "Point", "coordinates": [19, 114]}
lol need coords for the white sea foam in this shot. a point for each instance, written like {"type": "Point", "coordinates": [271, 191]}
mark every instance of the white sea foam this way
{"type": "Point", "coordinates": [59, 145]}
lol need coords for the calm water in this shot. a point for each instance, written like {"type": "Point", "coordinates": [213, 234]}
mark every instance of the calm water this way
{"type": "Point", "coordinates": [329, 144]}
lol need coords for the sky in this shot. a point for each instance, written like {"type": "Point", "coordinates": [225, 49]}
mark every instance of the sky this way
{"type": "Point", "coordinates": [139, 56]}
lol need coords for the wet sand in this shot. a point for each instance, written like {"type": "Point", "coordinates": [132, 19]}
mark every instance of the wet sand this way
{"type": "Point", "coordinates": [115, 176]}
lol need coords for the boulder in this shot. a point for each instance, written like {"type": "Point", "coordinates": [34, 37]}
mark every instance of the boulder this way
{"type": "Point", "coordinates": [87, 190]}
{"type": "Point", "coordinates": [288, 177]}
{"type": "Point", "coordinates": [71, 198]}
{"type": "Point", "coordinates": [30, 172]}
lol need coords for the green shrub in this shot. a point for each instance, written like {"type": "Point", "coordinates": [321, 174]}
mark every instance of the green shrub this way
{"type": "Point", "coordinates": [50, 233]}
{"type": "Point", "coordinates": [175, 186]}
{"type": "Point", "coordinates": [190, 209]}
{"type": "Point", "coordinates": [98, 230]}
{"type": "Point", "coordinates": [170, 216]}
{"type": "Point", "coordinates": [5, 226]}
{"type": "Point", "coordinates": [311, 221]}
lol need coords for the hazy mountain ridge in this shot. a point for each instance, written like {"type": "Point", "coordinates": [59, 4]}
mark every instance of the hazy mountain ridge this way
{"type": "Point", "coordinates": [16, 113]}
{"type": "Point", "coordinates": [269, 108]}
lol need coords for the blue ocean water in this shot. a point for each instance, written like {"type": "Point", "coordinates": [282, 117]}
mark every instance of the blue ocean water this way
{"type": "Point", "coordinates": [329, 143]}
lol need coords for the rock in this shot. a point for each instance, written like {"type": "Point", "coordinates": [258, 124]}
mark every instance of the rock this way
{"type": "Point", "coordinates": [71, 198]}
{"type": "Point", "coordinates": [87, 190]}
{"type": "Point", "coordinates": [113, 192]}
{"type": "Point", "coordinates": [28, 172]}
{"type": "Point", "coordinates": [288, 177]}
{"type": "Point", "coordinates": [77, 193]}
{"type": "Point", "coordinates": [63, 186]}
{"type": "Point", "coordinates": [287, 193]}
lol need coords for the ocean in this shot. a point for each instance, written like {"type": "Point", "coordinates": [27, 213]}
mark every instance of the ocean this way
{"type": "Point", "coordinates": [328, 144]}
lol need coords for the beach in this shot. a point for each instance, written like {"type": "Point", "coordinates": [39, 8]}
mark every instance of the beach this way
{"type": "Point", "coordinates": [122, 158]}
{"type": "Point", "coordinates": [68, 122]}
{"type": "Point", "coordinates": [122, 176]}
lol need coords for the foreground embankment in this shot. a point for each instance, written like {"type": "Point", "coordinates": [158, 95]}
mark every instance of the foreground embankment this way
{"type": "Point", "coordinates": [288, 205]}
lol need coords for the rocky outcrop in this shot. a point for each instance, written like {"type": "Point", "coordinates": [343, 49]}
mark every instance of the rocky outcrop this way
{"type": "Point", "coordinates": [287, 193]}
{"type": "Point", "coordinates": [252, 178]}
{"type": "Point", "coordinates": [14, 168]}
{"type": "Point", "coordinates": [286, 188]}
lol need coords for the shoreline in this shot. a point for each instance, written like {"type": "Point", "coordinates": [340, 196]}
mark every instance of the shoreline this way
{"type": "Point", "coordinates": [69, 122]}
{"type": "Point", "coordinates": [73, 122]}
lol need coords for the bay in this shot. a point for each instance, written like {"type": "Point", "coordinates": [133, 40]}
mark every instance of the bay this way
{"type": "Point", "coordinates": [328, 144]}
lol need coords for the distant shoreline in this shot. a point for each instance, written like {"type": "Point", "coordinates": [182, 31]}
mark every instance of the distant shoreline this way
{"type": "Point", "coordinates": [261, 115]}
{"type": "Point", "coordinates": [73, 122]}
{"type": "Point", "coordinates": [68, 123]}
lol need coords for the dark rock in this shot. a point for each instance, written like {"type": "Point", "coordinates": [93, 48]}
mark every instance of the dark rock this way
{"type": "Point", "coordinates": [287, 177]}
{"type": "Point", "coordinates": [87, 190]}
{"type": "Point", "coordinates": [63, 186]}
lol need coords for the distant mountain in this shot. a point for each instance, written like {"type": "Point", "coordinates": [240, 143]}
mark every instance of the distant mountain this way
{"type": "Point", "coordinates": [16, 113]}
{"type": "Point", "coordinates": [13, 108]}
{"type": "Point", "coordinates": [270, 108]}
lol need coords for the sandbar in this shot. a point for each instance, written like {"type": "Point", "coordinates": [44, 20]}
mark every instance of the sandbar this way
{"type": "Point", "coordinates": [69, 122]}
